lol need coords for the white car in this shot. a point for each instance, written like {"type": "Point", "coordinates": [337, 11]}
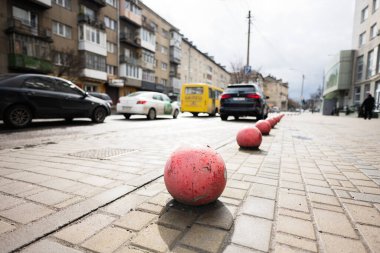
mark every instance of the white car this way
{"type": "Point", "coordinates": [147, 103]}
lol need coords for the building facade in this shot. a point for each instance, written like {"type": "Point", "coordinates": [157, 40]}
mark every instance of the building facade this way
{"type": "Point", "coordinates": [277, 91]}
{"type": "Point", "coordinates": [199, 67]}
{"type": "Point", "coordinates": [112, 46]}
{"type": "Point", "coordinates": [366, 40]}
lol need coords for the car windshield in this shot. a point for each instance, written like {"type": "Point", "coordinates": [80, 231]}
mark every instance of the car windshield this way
{"type": "Point", "coordinates": [134, 94]}
{"type": "Point", "coordinates": [240, 89]}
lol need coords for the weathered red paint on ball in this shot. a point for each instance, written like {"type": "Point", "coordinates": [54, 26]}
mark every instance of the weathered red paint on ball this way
{"type": "Point", "coordinates": [272, 122]}
{"type": "Point", "coordinates": [249, 137]}
{"type": "Point", "coordinates": [264, 126]}
{"type": "Point", "coordinates": [195, 176]}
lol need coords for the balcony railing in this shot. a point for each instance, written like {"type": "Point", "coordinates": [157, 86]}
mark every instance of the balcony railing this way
{"type": "Point", "coordinates": [131, 39]}
{"type": "Point", "coordinates": [29, 63]}
{"type": "Point", "coordinates": [174, 74]}
{"type": "Point", "coordinates": [129, 60]}
{"type": "Point", "coordinates": [83, 18]}
{"type": "Point", "coordinates": [27, 28]}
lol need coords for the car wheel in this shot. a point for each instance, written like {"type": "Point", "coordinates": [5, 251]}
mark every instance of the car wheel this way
{"type": "Point", "coordinates": [18, 116]}
{"type": "Point", "coordinates": [224, 117]}
{"type": "Point", "coordinates": [151, 114]}
{"type": "Point", "coordinates": [236, 117]}
{"type": "Point", "coordinates": [69, 120]}
{"type": "Point", "coordinates": [99, 115]}
{"type": "Point", "coordinates": [195, 114]}
{"type": "Point", "coordinates": [259, 116]}
{"type": "Point", "coordinates": [126, 115]}
{"type": "Point", "coordinates": [175, 115]}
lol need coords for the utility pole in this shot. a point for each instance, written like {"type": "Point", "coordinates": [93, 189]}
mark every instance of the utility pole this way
{"type": "Point", "coordinates": [303, 79]}
{"type": "Point", "coordinates": [249, 36]}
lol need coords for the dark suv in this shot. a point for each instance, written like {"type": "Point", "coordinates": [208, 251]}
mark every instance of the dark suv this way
{"type": "Point", "coordinates": [243, 100]}
{"type": "Point", "coordinates": [24, 97]}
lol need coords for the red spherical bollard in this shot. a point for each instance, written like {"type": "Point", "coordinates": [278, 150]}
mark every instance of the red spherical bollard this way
{"type": "Point", "coordinates": [264, 126]}
{"type": "Point", "coordinates": [195, 176]}
{"type": "Point", "coordinates": [249, 137]}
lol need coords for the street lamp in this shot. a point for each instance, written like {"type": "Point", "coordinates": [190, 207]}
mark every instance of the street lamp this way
{"type": "Point", "coordinates": [303, 80]}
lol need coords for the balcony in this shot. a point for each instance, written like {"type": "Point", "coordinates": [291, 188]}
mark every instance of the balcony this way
{"type": "Point", "coordinates": [29, 63]}
{"type": "Point", "coordinates": [42, 3]}
{"type": "Point", "coordinates": [128, 15]}
{"type": "Point", "coordinates": [26, 28]}
{"type": "Point", "coordinates": [131, 39]}
{"type": "Point", "coordinates": [100, 3]}
{"type": "Point", "coordinates": [175, 55]}
{"type": "Point", "coordinates": [130, 60]}
{"type": "Point", "coordinates": [95, 74]}
{"type": "Point", "coordinates": [83, 18]}
{"type": "Point", "coordinates": [174, 74]}
{"type": "Point", "coordinates": [147, 65]}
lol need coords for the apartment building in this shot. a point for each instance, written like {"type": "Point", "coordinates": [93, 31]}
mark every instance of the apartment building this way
{"type": "Point", "coordinates": [366, 40]}
{"type": "Point", "coordinates": [112, 46]}
{"type": "Point", "coordinates": [277, 91]}
{"type": "Point", "coordinates": [199, 67]}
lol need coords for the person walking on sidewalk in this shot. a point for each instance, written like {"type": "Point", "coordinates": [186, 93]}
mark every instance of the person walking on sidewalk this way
{"type": "Point", "coordinates": [367, 106]}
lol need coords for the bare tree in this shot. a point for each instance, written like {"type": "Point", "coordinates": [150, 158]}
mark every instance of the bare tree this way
{"type": "Point", "coordinates": [292, 104]}
{"type": "Point", "coordinates": [67, 63]}
{"type": "Point", "coordinates": [237, 75]}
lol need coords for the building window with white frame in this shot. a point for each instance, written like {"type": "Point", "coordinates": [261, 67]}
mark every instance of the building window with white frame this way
{"type": "Point", "coordinates": [362, 39]}
{"type": "Point", "coordinates": [62, 29]}
{"type": "Point", "coordinates": [164, 66]}
{"type": "Point", "coordinates": [371, 64]}
{"type": "Point", "coordinates": [111, 47]}
{"type": "Point", "coordinates": [364, 14]}
{"type": "Point", "coordinates": [110, 23]}
{"type": "Point", "coordinates": [359, 68]}
{"type": "Point", "coordinates": [132, 71]}
{"type": "Point", "coordinates": [378, 60]}
{"type": "Point", "coordinates": [373, 31]}
{"type": "Point", "coordinates": [375, 5]}
{"type": "Point", "coordinates": [164, 50]}
{"type": "Point", "coordinates": [148, 76]}
{"type": "Point", "coordinates": [111, 70]}
{"type": "Point", "coordinates": [164, 82]}
{"type": "Point", "coordinates": [64, 3]}
{"type": "Point", "coordinates": [26, 17]}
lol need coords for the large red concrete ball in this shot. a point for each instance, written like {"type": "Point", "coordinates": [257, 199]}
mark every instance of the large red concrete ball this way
{"type": "Point", "coordinates": [264, 126]}
{"type": "Point", "coordinates": [195, 176]}
{"type": "Point", "coordinates": [249, 137]}
{"type": "Point", "coordinates": [272, 122]}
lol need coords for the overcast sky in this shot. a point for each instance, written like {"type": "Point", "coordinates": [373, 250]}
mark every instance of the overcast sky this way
{"type": "Point", "coordinates": [289, 38]}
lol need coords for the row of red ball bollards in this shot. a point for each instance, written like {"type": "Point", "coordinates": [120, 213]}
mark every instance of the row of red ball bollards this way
{"type": "Point", "coordinates": [198, 176]}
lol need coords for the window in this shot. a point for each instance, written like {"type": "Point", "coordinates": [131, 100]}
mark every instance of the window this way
{"type": "Point", "coordinates": [60, 59]}
{"type": "Point", "coordinates": [110, 23]}
{"type": "Point", "coordinates": [164, 82]}
{"type": "Point", "coordinates": [361, 39]}
{"type": "Point", "coordinates": [64, 3]}
{"type": "Point", "coordinates": [148, 57]}
{"type": "Point", "coordinates": [94, 61]}
{"type": "Point", "coordinates": [164, 66]}
{"type": "Point", "coordinates": [148, 37]}
{"type": "Point", "coordinates": [132, 71]}
{"type": "Point", "coordinates": [378, 60]}
{"type": "Point", "coordinates": [26, 17]}
{"type": "Point", "coordinates": [371, 61]}
{"type": "Point", "coordinates": [31, 46]}
{"type": "Point", "coordinates": [377, 95]}
{"type": "Point", "coordinates": [364, 14]}
{"type": "Point", "coordinates": [148, 76]}
{"type": "Point", "coordinates": [357, 95]}
{"type": "Point", "coordinates": [164, 50]}
{"type": "Point", "coordinates": [67, 87]}
{"type": "Point", "coordinates": [375, 5]}
{"type": "Point", "coordinates": [165, 33]}
{"type": "Point", "coordinates": [373, 32]}
{"type": "Point", "coordinates": [61, 30]}
{"type": "Point", "coordinates": [367, 88]}
{"type": "Point", "coordinates": [112, 3]}
{"type": "Point", "coordinates": [132, 8]}
{"type": "Point", "coordinates": [92, 34]}
{"type": "Point", "coordinates": [194, 90]}
{"type": "Point", "coordinates": [111, 47]}
{"type": "Point", "coordinates": [90, 13]}
{"type": "Point", "coordinates": [111, 70]}
{"type": "Point", "coordinates": [39, 83]}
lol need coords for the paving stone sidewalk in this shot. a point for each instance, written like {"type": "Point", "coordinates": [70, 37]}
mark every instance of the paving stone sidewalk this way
{"type": "Point", "coordinates": [312, 187]}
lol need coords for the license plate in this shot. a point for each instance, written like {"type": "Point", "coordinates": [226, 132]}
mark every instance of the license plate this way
{"type": "Point", "coordinates": [238, 99]}
{"type": "Point", "coordinates": [126, 107]}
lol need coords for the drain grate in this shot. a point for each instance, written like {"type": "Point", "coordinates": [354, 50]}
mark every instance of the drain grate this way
{"type": "Point", "coordinates": [103, 153]}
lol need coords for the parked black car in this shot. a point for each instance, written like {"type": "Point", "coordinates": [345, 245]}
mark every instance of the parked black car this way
{"type": "Point", "coordinates": [103, 96]}
{"type": "Point", "coordinates": [243, 100]}
{"type": "Point", "coordinates": [24, 97]}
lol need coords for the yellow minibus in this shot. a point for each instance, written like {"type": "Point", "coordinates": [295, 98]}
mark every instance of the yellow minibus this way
{"type": "Point", "coordinates": [200, 98]}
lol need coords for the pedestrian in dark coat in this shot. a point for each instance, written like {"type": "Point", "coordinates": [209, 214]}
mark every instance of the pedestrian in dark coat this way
{"type": "Point", "coordinates": [367, 106]}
